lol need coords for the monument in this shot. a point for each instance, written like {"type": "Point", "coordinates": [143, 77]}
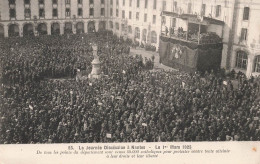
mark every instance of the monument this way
{"type": "Point", "coordinates": [95, 73]}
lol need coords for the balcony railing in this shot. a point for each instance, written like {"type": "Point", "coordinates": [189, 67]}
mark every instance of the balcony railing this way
{"type": "Point", "coordinates": [204, 38]}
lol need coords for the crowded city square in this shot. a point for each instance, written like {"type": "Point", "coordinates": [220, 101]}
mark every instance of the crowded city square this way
{"type": "Point", "coordinates": [43, 99]}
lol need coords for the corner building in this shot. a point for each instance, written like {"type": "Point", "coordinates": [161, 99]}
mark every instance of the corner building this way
{"type": "Point", "coordinates": [142, 21]}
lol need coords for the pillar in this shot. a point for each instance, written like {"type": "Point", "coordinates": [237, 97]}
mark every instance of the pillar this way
{"type": "Point", "coordinates": [20, 30]}
{"type": "Point", "coordinates": [6, 31]}
{"type": "Point", "coordinates": [96, 25]}
{"type": "Point", "coordinates": [250, 64]}
{"type": "Point", "coordinates": [61, 28]}
{"type": "Point", "coordinates": [74, 28]}
{"type": "Point", "coordinates": [86, 27]}
{"type": "Point", "coordinates": [141, 36]}
{"type": "Point", "coordinates": [48, 28]}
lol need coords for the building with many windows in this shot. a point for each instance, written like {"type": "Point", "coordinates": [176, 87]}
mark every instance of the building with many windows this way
{"type": "Point", "coordinates": [47, 17]}
{"type": "Point", "coordinates": [142, 21]}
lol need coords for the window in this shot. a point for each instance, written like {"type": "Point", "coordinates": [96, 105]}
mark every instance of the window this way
{"type": "Point", "coordinates": [41, 13]}
{"type": "Point", "coordinates": [117, 3]}
{"type": "Point", "coordinates": [137, 3]}
{"type": "Point", "coordinates": [54, 12]}
{"type": "Point", "coordinates": [137, 33]}
{"type": "Point", "coordinates": [111, 2]}
{"type": "Point", "coordinates": [243, 34]}
{"type": "Point", "coordinates": [111, 24]}
{"type": "Point", "coordinates": [117, 12]}
{"type": "Point", "coordinates": [102, 12]}
{"type": "Point", "coordinates": [173, 22]}
{"type": "Point", "coordinates": [130, 3]}
{"type": "Point", "coordinates": [80, 13]}
{"type": "Point", "coordinates": [154, 4]}
{"type": "Point", "coordinates": [67, 1]}
{"type": "Point", "coordinates": [12, 13]}
{"type": "Point", "coordinates": [130, 15]}
{"type": "Point", "coordinates": [41, 2]}
{"type": "Point", "coordinates": [246, 13]}
{"type": "Point", "coordinates": [203, 9]}
{"type": "Point", "coordinates": [11, 2]}
{"type": "Point", "coordinates": [91, 12]}
{"type": "Point", "coordinates": [145, 4]}
{"type": "Point", "coordinates": [145, 17]}
{"type": "Point", "coordinates": [67, 12]}
{"type": "Point", "coordinates": [111, 12]}
{"type": "Point", "coordinates": [26, 2]}
{"type": "Point", "coordinates": [154, 19]}
{"type": "Point", "coordinates": [27, 13]}
{"type": "Point", "coordinates": [123, 14]}
{"type": "Point", "coordinates": [137, 15]}
{"type": "Point", "coordinates": [117, 26]}
{"type": "Point", "coordinates": [241, 60]}
{"type": "Point", "coordinates": [54, 2]}
{"type": "Point", "coordinates": [123, 2]}
{"type": "Point", "coordinates": [91, 2]}
{"type": "Point", "coordinates": [164, 5]}
{"type": "Point", "coordinates": [123, 27]}
{"type": "Point", "coordinates": [218, 10]}
{"type": "Point", "coordinates": [175, 5]}
{"type": "Point", "coordinates": [130, 29]}
{"type": "Point", "coordinates": [163, 20]}
{"type": "Point", "coordinates": [153, 37]}
{"type": "Point", "coordinates": [79, 1]}
{"type": "Point", "coordinates": [189, 8]}
{"type": "Point", "coordinates": [102, 1]}
{"type": "Point", "coordinates": [257, 64]}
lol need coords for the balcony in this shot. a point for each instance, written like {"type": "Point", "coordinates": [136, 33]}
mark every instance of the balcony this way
{"type": "Point", "coordinates": [202, 39]}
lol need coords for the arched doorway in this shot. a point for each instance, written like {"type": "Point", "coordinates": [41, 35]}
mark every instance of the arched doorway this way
{"type": "Point", "coordinates": [257, 64]}
{"type": "Point", "coordinates": [80, 27]}
{"type": "Point", "coordinates": [13, 30]}
{"type": "Point", "coordinates": [68, 28]}
{"type": "Point", "coordinates": [91, 27]}
{"type": "Point", "coordinates": [28, 29]}
{"type": "Point", "coordinates": [241, 60]}
{"type": "Point", "coordinates": [2, 31]}
{"type": "Point", "coordinates": [42, 29]}
{"type": "Point", "coordinates": [111, 25]}
{"type": "Point", "coordinates": [153, 37]}
{"type": "Point", "coordinates": [55, 28]}
{"type": "Point", "coordinates": [102, 26]}
{"type": "Point", "coordinates": [137, 33]}
{"type": "Point", "coordinates": [144, 35]}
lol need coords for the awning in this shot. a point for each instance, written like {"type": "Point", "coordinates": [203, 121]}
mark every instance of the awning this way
{"type": "Point", "coordinates": [194, 18]}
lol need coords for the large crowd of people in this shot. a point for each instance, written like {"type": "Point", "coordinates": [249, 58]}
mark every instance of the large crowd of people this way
{"type": "Point", "coordinates": [41, 102]}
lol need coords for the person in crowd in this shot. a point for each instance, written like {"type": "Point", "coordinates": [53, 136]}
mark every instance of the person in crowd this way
{"type": "Point", "coordinates": [129, 103]}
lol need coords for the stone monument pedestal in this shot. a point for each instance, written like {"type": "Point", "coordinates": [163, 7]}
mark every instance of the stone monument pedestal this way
{"type": "Point", "coordinates": [96, 72]}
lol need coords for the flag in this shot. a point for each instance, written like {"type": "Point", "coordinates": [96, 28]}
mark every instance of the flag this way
{"type": "Point", "coordinates": [183, 84]}
{"type": "Point", "coordinates": [30, 107]}
{"type": "Point", "coordinates": [225, 82]}
{"type": "Point", "coordinates": [109, 135]}
{"type": "Point", "coordinates": [256, 118]}
{"type": "Point", "coordinates": [90, 84]}
{"type": "Point", "coordinates": [124, 72]}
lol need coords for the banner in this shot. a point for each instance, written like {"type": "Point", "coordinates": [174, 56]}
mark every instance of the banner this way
{"type": "Point", "coordinates": [190, 56]}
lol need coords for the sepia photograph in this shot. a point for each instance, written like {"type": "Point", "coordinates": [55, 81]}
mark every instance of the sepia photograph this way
{"type": "Point", "coordinates": [129, 71]}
